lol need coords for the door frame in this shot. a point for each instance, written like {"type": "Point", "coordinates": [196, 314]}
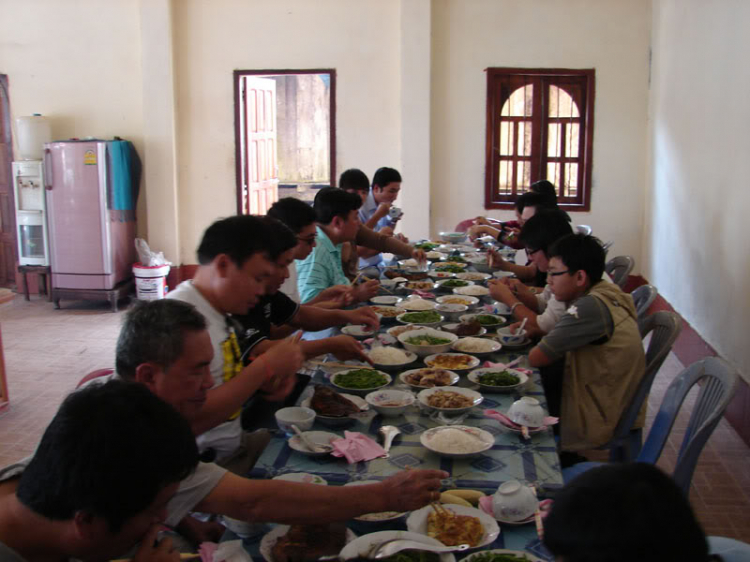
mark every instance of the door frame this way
{"type": "Point", "coordinates": [237, 77]}
{"type": "Point", "coordinates": [8, 133]}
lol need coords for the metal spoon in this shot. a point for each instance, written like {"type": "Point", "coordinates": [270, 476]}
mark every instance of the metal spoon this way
{"type": "Point", "coordinates": [391, 547]}
{"type": "Point", "coordinates": [314, 447]}
{"type": "Point", "coordinates": [388, 433]}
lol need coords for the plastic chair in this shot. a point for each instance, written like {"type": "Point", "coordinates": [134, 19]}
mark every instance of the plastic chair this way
{"type": "Point", "coordinates": [664, 328]}
{"type": "Point", "coordinates": [94, 375]}
{"type": "Point", "coordinates": [607, 246]}
{"type": "Point", "coordinates": [619, 268]}
{"type": "Point", "coordinates": [718, 385]}
{"type": "Point", "coordinates": [643, 297]}
{"type": "Point", "coordinates": [584, 229]}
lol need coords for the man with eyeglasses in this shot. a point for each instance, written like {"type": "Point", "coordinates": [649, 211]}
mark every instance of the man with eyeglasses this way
{"type": "Point", "coordinates": [599, 339]}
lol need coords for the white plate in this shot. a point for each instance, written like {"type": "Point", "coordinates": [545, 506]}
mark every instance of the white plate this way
{"type": "Point", "coordinates": [469, 301]}
{"type": "Point", "coordinates": [473, 395]}
{"type": "Point", "coordinates": [474, 276]}
{"type": "Point", "coordinates": [402, 319]}
{"type": "Point", "coordinates": [403, 376]}
{"type": "Point", "coordinates": [360, 547]}
{"type": "Point", "coordinates": [416, 305]}
{"type": "Point", "coordinates": [358, 331]}
{"type": "Point", "coordinates": [410, 358]}
{"type": "Point", "coordinates": [472, 291]}
{"type": "Point", "coordinates": [441, 274]}
{"type": "Point", "coordinates": [359, 391]}
{"type": "Point", "coordinates": [375, 517]}
{"type": "Point", "coordinates": [473, 363]}
{"type": "Point", "coordinates": [417, 521]}
{"type": "Point", "coordinates": [460, 283]}
{"type": "Point", "coordinates": [474, 377]}
{"type": "Point", "coordinates": [494, 346]}
{"type": "Point", "coordinates": [532, 430]}
{"type": "Point", "coordinates": [269, 540]}
{"type": "Point", "coordinates": [340, 421]}
{"type": "Point", "coordinates": [302, 477]}
{"type": "Point", "coordinates": [317, 437]}
{"type": "Point", "coordinates": [521, 554]}
{"type": "Point", "coordinates": [485, 436]}
{"type": "Point", "coordinates": [386, 300]}
{"type": "Point", "coordinates": [501, 274]}
{"type": "Point", "coordinates": [502, 320]}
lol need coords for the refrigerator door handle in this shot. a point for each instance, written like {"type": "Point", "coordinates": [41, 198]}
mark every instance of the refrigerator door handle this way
{"type": "Point", "coordinates": [47, 169]}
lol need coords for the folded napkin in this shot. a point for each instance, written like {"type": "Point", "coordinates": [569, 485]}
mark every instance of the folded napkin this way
{"type": "Point", "coordinates": [424, 294]}
{"type": "Point", "coordinates": [356, 447]}
{"type": "Point", "coordinates": [505, 420]}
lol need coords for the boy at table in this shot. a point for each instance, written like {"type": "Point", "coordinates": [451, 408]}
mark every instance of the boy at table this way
{"type": "Point", "coordinates": [100, 480]}
{"type": "Point", "coordinates": [598, 337]}
{"type": "Point", "coordinates": [337, 216]}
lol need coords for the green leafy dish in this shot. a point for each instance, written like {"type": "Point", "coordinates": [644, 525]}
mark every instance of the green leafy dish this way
{"type": "Point", "coordinates": [427, 340]}
{"type": "Point", "coordinates": [360, 379]}
{"type": "Point", "coordinates": [488, 320]}
{"type": "Point", "coordinates": [426, 317]}
{"type": "Point", "coordinates": [499, 378]}
{"type": "Point", "coordinates": [426, 246]}
{"type": "Point", "coordinates": [453, 283]}
{"type": "Point", "coordinates": [413, 556]}
{"type": "Point", "coordinates": [450, 268]}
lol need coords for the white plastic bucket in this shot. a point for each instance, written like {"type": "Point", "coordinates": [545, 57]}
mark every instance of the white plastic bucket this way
{"type": "Point", "coordinates": [33, 132]}
{"type": "Point", "coordinates": [150, 282]}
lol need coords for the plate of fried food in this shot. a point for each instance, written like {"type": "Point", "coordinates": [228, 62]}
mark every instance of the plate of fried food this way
{"type": "Point", "coordinates": [332, 408]}
{"type": "Point", "coordinates": [419, 379]}
{"type": "Point", "coordinates": [452, 361]}
{"type": "Point", "coordinates": [454, 524]}
{"type": "Point", "coordinates": [304, 542]}
{"type": "Point", "coordinates": [455, 400]}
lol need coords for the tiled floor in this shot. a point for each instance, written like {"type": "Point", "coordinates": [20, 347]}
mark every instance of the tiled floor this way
{"type": "Point", "coordinates": [47, 351]}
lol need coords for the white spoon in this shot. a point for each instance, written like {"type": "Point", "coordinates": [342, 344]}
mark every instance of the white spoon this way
{"type": "Point", "coordinates": [315, 448]}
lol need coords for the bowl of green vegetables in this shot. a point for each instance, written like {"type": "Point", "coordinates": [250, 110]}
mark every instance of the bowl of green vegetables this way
{"type": "Point", "coordinates": [361, 381]}
{"type": "Point", "coordinates": [427, 341]}
{"type": "Point", "coordinates": [492, 379]}
{"type": "Point", "coordinates": [423, 318]}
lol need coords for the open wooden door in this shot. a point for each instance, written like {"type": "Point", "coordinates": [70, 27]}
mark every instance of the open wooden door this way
{"type": "Point", "coordinates": [7, 206]}
{"type": "Point", "coordinates": [260, 173]}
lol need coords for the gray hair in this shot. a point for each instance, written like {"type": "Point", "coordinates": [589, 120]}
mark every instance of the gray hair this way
{"type": "Point", "coordinates": [154, 332]}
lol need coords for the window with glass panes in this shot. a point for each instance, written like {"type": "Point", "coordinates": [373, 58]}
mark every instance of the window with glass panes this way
{"type": "Point", "coordinates": [539, 126]}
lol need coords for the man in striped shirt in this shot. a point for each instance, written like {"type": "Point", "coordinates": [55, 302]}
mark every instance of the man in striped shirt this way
{"type": "Point", "coordinates": [337, 215]}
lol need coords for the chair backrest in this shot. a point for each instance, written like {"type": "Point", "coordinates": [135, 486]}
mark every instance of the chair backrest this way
{"type": "Point", "coordinates": [619, 268]}
{"type": "Point", "coordinates": [584, 229]}
{"type": "Point", "coordinates": [718, 385]}
{"type": "Point", "coordinates": [607, 246]}
{"type": "Point", "coordinates": [643, 297]}
{"type": "Point", "coordinates": [94, 375]}
{"type": "Point", "coordinates": [664, 328]}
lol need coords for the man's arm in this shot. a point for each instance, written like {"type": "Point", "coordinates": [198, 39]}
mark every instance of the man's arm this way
{"type": "Point", "coordinates": [293, 503]}
{"type": "Point", "coordinates": [312, 318]}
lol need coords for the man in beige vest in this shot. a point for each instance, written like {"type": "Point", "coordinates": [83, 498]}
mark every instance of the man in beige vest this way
{"type": "Point", "coordinates": [599, 338]}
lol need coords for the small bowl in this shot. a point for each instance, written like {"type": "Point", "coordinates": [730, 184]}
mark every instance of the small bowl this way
{"type": "Point", "coordinates": [450, 284]}
{"type": "Point", "coordinates": [475, 397]}
{"type": "Point", "coordinates": [358, 391]}
{"type": "Point", "coordinates": [387, 314]}
{"type": "Point", "coordinates": [410, 263]}
{"type": "Point", "coordinates": [303, 418]}
{"type": "Point", "coordinates": [527, 411]}
{"type": "Point", "coordinates": [406, 319]}
{"type": "Point", "coordinates": [451, 311]}
{"type": "Point", "coordinates": [490, 346]}
{"type": "Point", "coordinates": [405, 378]}
{"type": "Point", "coordinates": [471, 302]}
{"type": "Point", "coordinates": [475, 375]}
{"type": "Point", "coordinates": [425, 350]}
{"type": "Point", "coordinates": [500, 274]}
{"type": "Point", "coordinates": [500, 308]}
{"type": "Point", "coordinates": [390, 402]}
{"type": "Point", "coordinates": [513, 501]}
{"type": "Point", "coordinates": [416, 304]}
{"type": "Point", "coordinates": [386, 300]}
{"type": "Point", "coordinates": [358, 331]}
{"type": "Point", "coordinates": [499, 320]}
{"type": "Point", "coordinates": [453, 237]}
{"type": "Point", "coordinates": [508, 338]}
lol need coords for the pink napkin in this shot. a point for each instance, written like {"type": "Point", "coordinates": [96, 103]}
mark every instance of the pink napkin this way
{"type": "Point", "coordinates": [491, 365]}
{"type": "Point", "coordinates": [206, 550]}
{"type": "Point", "coordinates": [505, 420]}
{"type": "Point", "coordinates": [356, 447]}
{"type": "Point", "coordinates": [424, 294]}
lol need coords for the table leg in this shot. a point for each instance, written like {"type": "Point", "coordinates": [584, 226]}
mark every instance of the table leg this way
{"type": "Point", "coordinates": [25, 286]}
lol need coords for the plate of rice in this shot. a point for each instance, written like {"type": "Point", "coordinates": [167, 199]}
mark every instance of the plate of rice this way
{"type": "Point", "coordinates": [391, 358]}
{"type": "Point", "coordinates": [472, 291]}
{"type": "Point", "coordinates": [457, 441]}
{"type": "Point", "coordinates": [416, 304]}
{"type": "Point", "coordinates": [479, 347]}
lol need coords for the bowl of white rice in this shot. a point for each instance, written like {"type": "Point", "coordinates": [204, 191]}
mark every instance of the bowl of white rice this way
{"type": "Point", "coordinates": [388, 358]}
{"type": "Point", "coordinates": [479, 347]}
{"type": "Point", "coordinates": [452, 311]}
{"type": "Point", "coordinates": [457, 441]}
{"type": "Point", "coordinates": [427, 341]}
{"type": "Point", "coordinates": [482, 293]}
{"type": "Point", "coordinates": [416, 304]}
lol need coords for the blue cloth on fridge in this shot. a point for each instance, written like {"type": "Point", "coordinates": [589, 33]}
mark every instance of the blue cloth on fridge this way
{"type": "Point", "coordinates": [120, 180]}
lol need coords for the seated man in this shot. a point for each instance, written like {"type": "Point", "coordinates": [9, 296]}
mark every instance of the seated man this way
{"type": "Point", "coordinates": [161, 347]}
{"type": "Point", "coordinates": [622, 513]}
{"type": "Point", "coordinates": [375, 212]}
{"type": "Point", "coordinates": [236, 257]}
{"type": "Point", "coordinates": [99, 481]}
{"type": "Point", "coordinates": [598, 337]}
{"type": "Point", "coordinates": [355, 181]}
{"type": "Point", "coordinates": [338, 222]}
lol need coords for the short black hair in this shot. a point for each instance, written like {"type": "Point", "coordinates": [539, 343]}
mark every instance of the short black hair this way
{"type": "Point", "coordinates": [238, 237]}
{"type": "Point", "coordinates": [282, 237]}
{"type": "Point", "coordinates": [530, 199]}
{"type": "Point", "coordinates": [354, 179]}
{"type": "Point", "coordinates": [293, 212]}
{"type": "Point", "coordinates": [384, 176]}
{"type": "Point", "coordinates": [544, 228]}
{"type": "Point", "coordinates": [580, 252]}
{"type": "Point", "coordinates": [547, 190]}
{"type": "Point", "coordinates": [331, 202]}
{"type": "Point", "coordinates": [109, 451]}
{"type": "Point", "coordinates": [623, 512]}
{"type": "Point", "coordinates": [154, 332]}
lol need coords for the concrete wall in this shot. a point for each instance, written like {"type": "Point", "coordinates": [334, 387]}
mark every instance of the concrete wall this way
{"type": "Point", "coordinates": [696, 201]}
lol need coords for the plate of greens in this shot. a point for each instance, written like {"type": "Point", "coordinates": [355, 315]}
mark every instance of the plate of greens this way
{"type": "Point", "coordinates": [360, 381]}
{"type": "Point", "coordinates": [502, 555]}
{"type": "Point", "coordinates": [489, 321]}
{"type": "Point", "coordinates": [424, 318]}
{"type": "Point", "coordinates": [492, 379]}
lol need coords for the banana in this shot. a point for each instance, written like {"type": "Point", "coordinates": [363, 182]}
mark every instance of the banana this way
{"type": "Point", "coordinates": [448, 498]}
{"type": "Point", "coordinates": [471, 496]}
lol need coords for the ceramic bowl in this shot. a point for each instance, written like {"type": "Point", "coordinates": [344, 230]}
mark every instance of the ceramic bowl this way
{"type": "Point", "coordinates": [447, 285]}
{"type": "Point", "coordinates": [527, 411]}
{"type": "Point", "coordinates": [340, 421]}
{"type": "Point", "coordinates": [453, 237]}
{"type": "Point", "coordinates": [410, 358]}
{"type": "Point", "coordinates": [513, 501]}
{"type": "Point", "coordinates": [390, 402]}
{"type": "Point", "coordinates": [358, 391]}
{"type": "Point", "coordinates": [508, 338]}
{"type": "Point", "coordinates": [416, 304]}
{"type": "Point", "coordinates": [451, 311]}
{"type": "Point", "coordinates": [453, 327]}
{"type": "Point", "coordinates": [500, 308]}
{"type": "Point", "coordinates": [501, 274]}
{"type": "Point", "coordinates": [427, 349]}
{"type": "Point", "coordinates": [360, 547]}
{"type": "Point", "coordinates": [387, 314]}
{"type": "Point", "coordinates": [359, 331]}
{"type": "Point", "coordinates": [303, 418]}
{"type": "Point", "coordinates": [386, 300]}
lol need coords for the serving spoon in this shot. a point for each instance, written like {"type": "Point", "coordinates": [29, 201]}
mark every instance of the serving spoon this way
{"type": "Point", "coordinates": [391, 547]}
{"type": "Point", "coordinates": [388, 433]}
{"type": "Point", "coordinates": [314, 447]}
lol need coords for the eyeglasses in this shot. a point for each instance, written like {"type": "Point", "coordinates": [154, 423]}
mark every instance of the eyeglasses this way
{"type": "Point", "coordinates": [556, 273]}
{"type": "Point", "coordinates": [530, 252]}
{"type": "Point", "coordinates": [309, 240]}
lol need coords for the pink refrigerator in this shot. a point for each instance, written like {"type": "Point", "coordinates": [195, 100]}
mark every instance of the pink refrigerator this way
{"type": "Point", "coordinates": [91, 217]}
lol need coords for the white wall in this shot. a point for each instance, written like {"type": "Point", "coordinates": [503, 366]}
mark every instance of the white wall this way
{"type": "Point", "coordinates": [78, 63]}
{"type": "Point", "coordinates": [611, 36]}
{"type": "Point", "coordinates": [697, 199]}
{"type": "Point", "coordinates": [212, 39]}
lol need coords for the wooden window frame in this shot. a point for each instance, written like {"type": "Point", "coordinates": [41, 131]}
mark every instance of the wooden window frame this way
{"type": "Point", "coordinates": [501, 83]}
{"type": "Point", "coordinates": [237, 78]}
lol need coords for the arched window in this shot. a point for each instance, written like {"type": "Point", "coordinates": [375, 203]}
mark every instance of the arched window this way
{"type": "Point", "coordinates": [539, 126]}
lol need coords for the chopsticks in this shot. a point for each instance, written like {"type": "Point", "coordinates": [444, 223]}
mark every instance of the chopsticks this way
{"type": "Point", "coordinates": [440, 510]}
{"type": "Point", "coordinates": [538, 516]}
{"type": "Point", "coordinates": [336, 365]}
